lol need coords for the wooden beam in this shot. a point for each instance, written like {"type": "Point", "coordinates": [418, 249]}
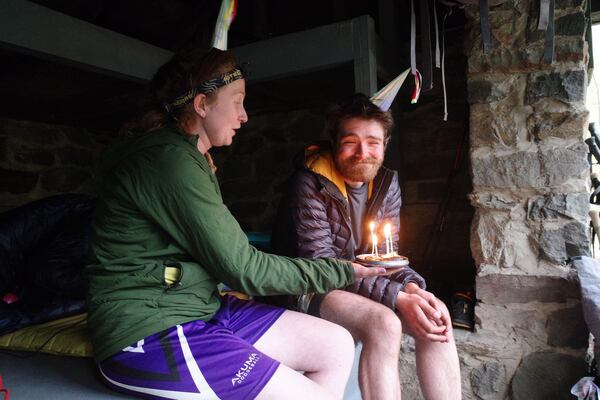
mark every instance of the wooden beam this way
{"type": "Point", "coordinates": [300, 52]}
{"type": "Point", "coordinates": [364, 55]}
{"type": "Point", "coordinates": [40, 31]}
{"type": "Point", "coordinates": [30, 28]}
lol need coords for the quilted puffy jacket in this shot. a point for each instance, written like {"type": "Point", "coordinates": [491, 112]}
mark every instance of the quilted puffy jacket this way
{"type": "Point", "coordinates": [44, 247]}
{"type": "Point", "coordinates": [314, 221]}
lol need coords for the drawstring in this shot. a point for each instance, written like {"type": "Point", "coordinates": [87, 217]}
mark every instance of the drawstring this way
{"type": "Point", "coordinates": [444, 63]}
{"type": "Point", "coordinates": [437, 36]}
{"type": "Point", "coordinates": [3, 390]}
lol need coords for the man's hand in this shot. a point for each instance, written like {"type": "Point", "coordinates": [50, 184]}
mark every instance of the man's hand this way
{"type": "Point", "coordinates": [423, 314]}
{"type": "Point", "coordinates": [442, 317]}
{"type": "Point", "coordinates": [360, 271]}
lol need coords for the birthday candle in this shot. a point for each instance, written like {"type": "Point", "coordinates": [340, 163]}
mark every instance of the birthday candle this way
{"type": "Point", "coordinates": [387, 231]}
{"type": "Point", "coordinates": [374, 250]}
{"type": "Point", "coordinates": [373, 238]}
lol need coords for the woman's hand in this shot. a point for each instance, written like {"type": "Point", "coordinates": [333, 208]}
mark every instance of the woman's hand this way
{"type": "Point", "coordinates": [360, 271]}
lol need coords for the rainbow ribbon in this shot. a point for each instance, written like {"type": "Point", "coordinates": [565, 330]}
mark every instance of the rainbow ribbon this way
{"type": "Point", "coordinates": [417, 91]}
{"type": "Point", "coordinates": [227, 14]}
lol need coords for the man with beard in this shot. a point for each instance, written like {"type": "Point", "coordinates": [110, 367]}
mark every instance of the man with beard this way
{"type": "Point", "coordinates": [337, 190]}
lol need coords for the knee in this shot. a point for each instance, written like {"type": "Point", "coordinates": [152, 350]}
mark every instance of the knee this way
{"type": "Point", "coordinates": [339, 337]}
{"type": "Point", "coordinates": [341, 343]}
{"type": "Point", "coordinates": [382, 325]}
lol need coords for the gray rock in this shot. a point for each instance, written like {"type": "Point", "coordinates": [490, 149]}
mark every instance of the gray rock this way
{"type": "Point", "coordinates": [32, 133]}
{"type": "Point", "coordinates": [563, 164]}
{"type": "Point", "coordinates": [504, 289]}
{"type": "Point", "coordinates": [488, 238]}
{"type": "Point", "coordinates": [33, 155]}
{"type": "Point", "coordinates": [17, 182]}
{"type": "Point", "coordinates": [545, 375]}
{"type": "Point", "coordinates": [63, 179]}
{"type": "Point", "coordinates": [569, 86]}
{"type": "Point", "coordinates": [563, 125]}
{"type": "Point", "coordinates": [574, 206]}
{"type": "Point", "coordinates": [557, 245]}
{"type": "Point", "coordinates": [542, 169]}
{"type": "Point", "coordinates": [503, 125]}
{"type": "Point", "coordinates": [569, 49]}
{"type": "Point", "coordinates": [487, 379]}
{"type": "Point", "coordinates": [80, 137]}
{"type": "Point", "coordinates": [520, 170]}
{"type": "Point", "coordinates": [571, 25]}
{"type": "Point", "coordinates": [567, 328]}
{"type": "Point", "coordinates": [563, 4]}
{"type": "Point", "coordinates": [507, 60]}
{"type": "Point", "coordinates": [75, 156]}
{"type": "Point", "coordinates": [484, 92]}
{"type": "Point", "coordinates": [492, 201]}
{"type": "Point", "coordinates": [3, 148]}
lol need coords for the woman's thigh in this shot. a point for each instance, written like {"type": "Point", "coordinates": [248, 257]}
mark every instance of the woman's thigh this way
{"type": "Point", "coordinates": [306, 343]}
{"type": "Point", "coordinates": [203, 360]}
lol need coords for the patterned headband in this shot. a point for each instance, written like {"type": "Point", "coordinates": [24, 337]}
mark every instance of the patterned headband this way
{"type": "Point", "coordinates": [206, 87]}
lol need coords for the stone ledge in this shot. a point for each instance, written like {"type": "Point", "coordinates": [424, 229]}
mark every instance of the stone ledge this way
{"type": "Point", "coordinates": [503, 289]}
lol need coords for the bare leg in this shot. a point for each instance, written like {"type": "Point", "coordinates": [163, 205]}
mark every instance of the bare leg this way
{"type": "Point", "coordinates": [380, 331]}
{"type": "Point", "coordinates": [324, 351]}
{"type": "Point", "coordinates": [438, 367]}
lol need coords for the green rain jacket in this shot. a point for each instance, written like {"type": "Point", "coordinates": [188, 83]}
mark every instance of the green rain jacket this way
{"type": "Point", "coordinates": [160, 206]}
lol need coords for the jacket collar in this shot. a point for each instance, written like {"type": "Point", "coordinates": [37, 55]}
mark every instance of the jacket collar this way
{"type": "Point", "coordinates": [318, 158]}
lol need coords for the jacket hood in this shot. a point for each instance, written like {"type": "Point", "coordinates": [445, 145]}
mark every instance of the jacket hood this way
{"type": "Point", "coordinates": [318, 158]}
{"type": "Point", "coordinates": [125, 148]}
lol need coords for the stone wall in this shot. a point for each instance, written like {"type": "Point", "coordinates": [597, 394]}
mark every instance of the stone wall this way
{"type": "Point", "coordinates": [38, 160]}
{"type": "Point", "coordinates": [530, 193]}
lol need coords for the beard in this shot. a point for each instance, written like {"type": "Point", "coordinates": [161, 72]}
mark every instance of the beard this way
{"type": "Point", "coordinates": [358, 171]}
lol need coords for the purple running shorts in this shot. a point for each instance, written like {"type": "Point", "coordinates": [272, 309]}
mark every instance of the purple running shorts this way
{"type": "Point", "coordinates": [199, 360]}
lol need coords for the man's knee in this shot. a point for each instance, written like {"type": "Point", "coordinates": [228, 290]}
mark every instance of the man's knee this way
{"type": "Point", "coordinates": [382, 325]}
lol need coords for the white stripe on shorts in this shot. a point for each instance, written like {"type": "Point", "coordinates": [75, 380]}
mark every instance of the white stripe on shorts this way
{"type": "Point", "coordinates": [197, 376]}
{"type": "Point", "coordinates": [206, 392]}
{"type": "Point", "coordinates": [167, 394]}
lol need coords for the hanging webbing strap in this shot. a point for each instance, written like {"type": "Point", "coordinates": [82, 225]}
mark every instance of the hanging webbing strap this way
{"type": "Point", "coordinates": [484, 19]}
{"type": "Point", "coordinates": [437, 37]}
{"type": "Point", "coordinates": [413, 39]}
{"type": "Point", "coordinates": [444, 63]}
{"type": "Point", "coordinates": [427, 70]}
{"type": "Point", "coordinates": [544, 15]}
{"type": "Point", "coordinates": [549, 37]}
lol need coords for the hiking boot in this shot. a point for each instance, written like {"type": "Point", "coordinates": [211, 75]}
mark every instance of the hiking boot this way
{"type": "Point", "coordinates": [462, 310]}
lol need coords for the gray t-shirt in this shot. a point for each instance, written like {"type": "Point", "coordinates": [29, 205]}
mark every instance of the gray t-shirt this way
{"type": "Point", "coordinates": [357, 198]}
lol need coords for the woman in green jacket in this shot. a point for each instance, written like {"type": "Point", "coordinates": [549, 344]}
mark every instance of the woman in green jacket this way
{"type": "Point", "coordinates": [163, 240]}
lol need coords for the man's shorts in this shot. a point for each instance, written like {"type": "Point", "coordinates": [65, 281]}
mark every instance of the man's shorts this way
{"type": "Point", "coordinates": [199, 360]}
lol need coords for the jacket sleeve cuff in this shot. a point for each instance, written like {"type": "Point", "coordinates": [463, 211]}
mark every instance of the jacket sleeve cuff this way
{"type": "Point", "coordinates": [408, 275]}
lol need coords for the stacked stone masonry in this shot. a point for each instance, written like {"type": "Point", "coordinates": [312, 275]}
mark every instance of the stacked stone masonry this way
{"type": "Point", "coordinates": [530, 194]}
{"type": "Point", "coordinates": [38, 160]}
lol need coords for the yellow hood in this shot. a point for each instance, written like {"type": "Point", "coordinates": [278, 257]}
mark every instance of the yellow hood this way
{"type": "Point", "coordinates": [320, 161]}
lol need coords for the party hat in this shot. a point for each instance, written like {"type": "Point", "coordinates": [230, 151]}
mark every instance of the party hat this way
{"type": "Point", "coordinates": [384, 97]}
